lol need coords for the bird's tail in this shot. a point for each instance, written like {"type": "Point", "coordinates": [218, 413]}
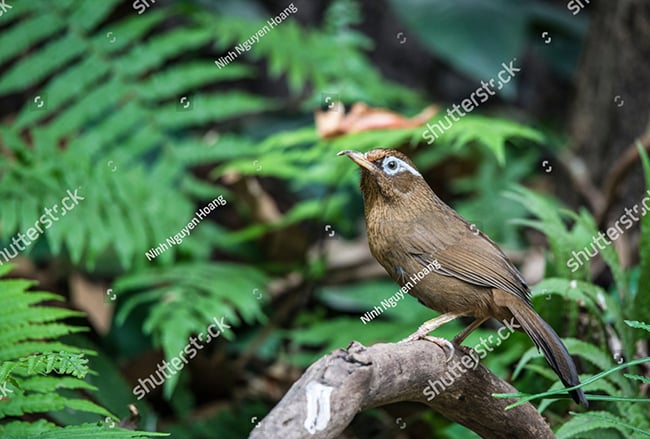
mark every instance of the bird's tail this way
{"type": "Point", "coordinates": [546, 339]}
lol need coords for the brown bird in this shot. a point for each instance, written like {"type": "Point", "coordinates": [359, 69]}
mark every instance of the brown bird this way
{"type": "Point", "coordinates": [410, 228]}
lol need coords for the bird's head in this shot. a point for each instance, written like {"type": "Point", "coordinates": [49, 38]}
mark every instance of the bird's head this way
{"type": "Point", "coordinates": [387, 174]}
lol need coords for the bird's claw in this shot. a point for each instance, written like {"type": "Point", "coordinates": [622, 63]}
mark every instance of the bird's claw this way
{"type": "Point", "coordinates": [437, 340]}
{"type": "Point", "coordinates": [442, 343]}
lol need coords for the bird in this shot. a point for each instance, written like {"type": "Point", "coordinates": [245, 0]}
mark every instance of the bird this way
{"type": "Point", "coordinates": [409, 228]}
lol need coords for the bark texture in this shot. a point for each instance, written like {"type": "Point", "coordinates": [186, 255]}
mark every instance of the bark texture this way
{"type": "Point", "coordinates": [323, 402]}
{"type": "Point", "coordinates": [612, 107]}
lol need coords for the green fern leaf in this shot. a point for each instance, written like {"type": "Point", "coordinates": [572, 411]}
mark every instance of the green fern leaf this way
{"type": "Point", "coordinates": [582, 423]}
{"type": "Point", "coordinates": [640, 306]}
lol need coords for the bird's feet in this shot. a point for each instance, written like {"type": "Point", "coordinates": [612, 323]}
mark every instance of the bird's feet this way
{"type": "Point", "coordinates": [423, 335]}
{"type": "Point", "coordinates": [429, 326]}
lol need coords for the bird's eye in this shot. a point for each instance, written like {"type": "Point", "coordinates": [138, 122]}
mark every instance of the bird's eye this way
{"type": "Point", "coordinates": [393, 166]}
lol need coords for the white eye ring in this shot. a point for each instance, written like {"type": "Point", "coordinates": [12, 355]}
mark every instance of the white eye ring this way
{"type": "Point", "coordinates": [392, 165]}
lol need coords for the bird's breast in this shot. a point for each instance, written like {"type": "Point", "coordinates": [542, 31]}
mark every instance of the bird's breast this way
{"type": "Point", "coordinates": [436, 291]}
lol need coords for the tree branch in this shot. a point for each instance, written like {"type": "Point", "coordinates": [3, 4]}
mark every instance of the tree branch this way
{"type": "Point", "coordinates": [340, 385]}
{"type": "Point", "coordinates": [618, 172]}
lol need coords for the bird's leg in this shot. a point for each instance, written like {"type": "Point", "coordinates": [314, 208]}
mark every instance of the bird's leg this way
{"type": "Point", "coordinates": [430, 325]}
{"type": "Point", "coordinates": [458, 340]}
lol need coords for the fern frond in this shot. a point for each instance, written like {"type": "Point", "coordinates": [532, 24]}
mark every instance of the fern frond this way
{"type": "Point", "coordinates": [189, 297]}
{"type": "Point", "coordinates": [593, 421]}
{"type": "Point", "coordinates": [35, 369]}
{"type": "Point", "coordinates": [123, 110]}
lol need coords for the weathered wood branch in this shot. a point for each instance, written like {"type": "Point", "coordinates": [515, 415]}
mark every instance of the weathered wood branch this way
{"type": "Point", "coordinates": [333, 390]}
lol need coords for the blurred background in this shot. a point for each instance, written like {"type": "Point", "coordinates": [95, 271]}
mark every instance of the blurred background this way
{"type": "Point", "coordinates": [155, 109]}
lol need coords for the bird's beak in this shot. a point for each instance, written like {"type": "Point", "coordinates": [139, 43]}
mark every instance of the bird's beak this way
{"type": "Point", "coordinates": [358, 158]}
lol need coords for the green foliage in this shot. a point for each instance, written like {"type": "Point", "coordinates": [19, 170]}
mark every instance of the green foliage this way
{"type": "Point", "coordinates": [226, 424]}
{"type": "Point", "coordinates": [486, 189]}
{"type": "Point", "coordinates": [608, 312]}
{"type": "Point", "coordinates": [187, 297]}
{"type": "Point", "coordinates": [115, 125]}
{"type": "Point", "coordinates": [62, 363]}
{"type": "Point", "coordinates": [640, 307]}
{"type": "Point", "coordinates": [307, 161]}
{"type": "Point", "coordinates": [286, 154]}
{"type": "Point", "coordinates": [114, 132]}
{"type": "Point", "coordinates": [122, 126]}
{"type": "Point", "coordinates": [625, 405]}
{"type": "Point", "coordinates": [313, 337]}
{"type": "Point", "coordinates": [489, 132]}
{"type": "Point", "coordinates": [476, 37]}
{"type": "Point", "coordinates": [307, 57]}
{"type": "Point", "coordinates": [583, 423]}
{"type": "Point", "coordinates": [33, 376]}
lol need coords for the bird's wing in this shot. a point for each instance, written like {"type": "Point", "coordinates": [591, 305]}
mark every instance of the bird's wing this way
{"type": "Point", "coordinates": [467, 254]}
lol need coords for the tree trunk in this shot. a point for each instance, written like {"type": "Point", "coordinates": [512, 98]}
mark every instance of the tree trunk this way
{"type": "Point", "coordinates": [612, 107]}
